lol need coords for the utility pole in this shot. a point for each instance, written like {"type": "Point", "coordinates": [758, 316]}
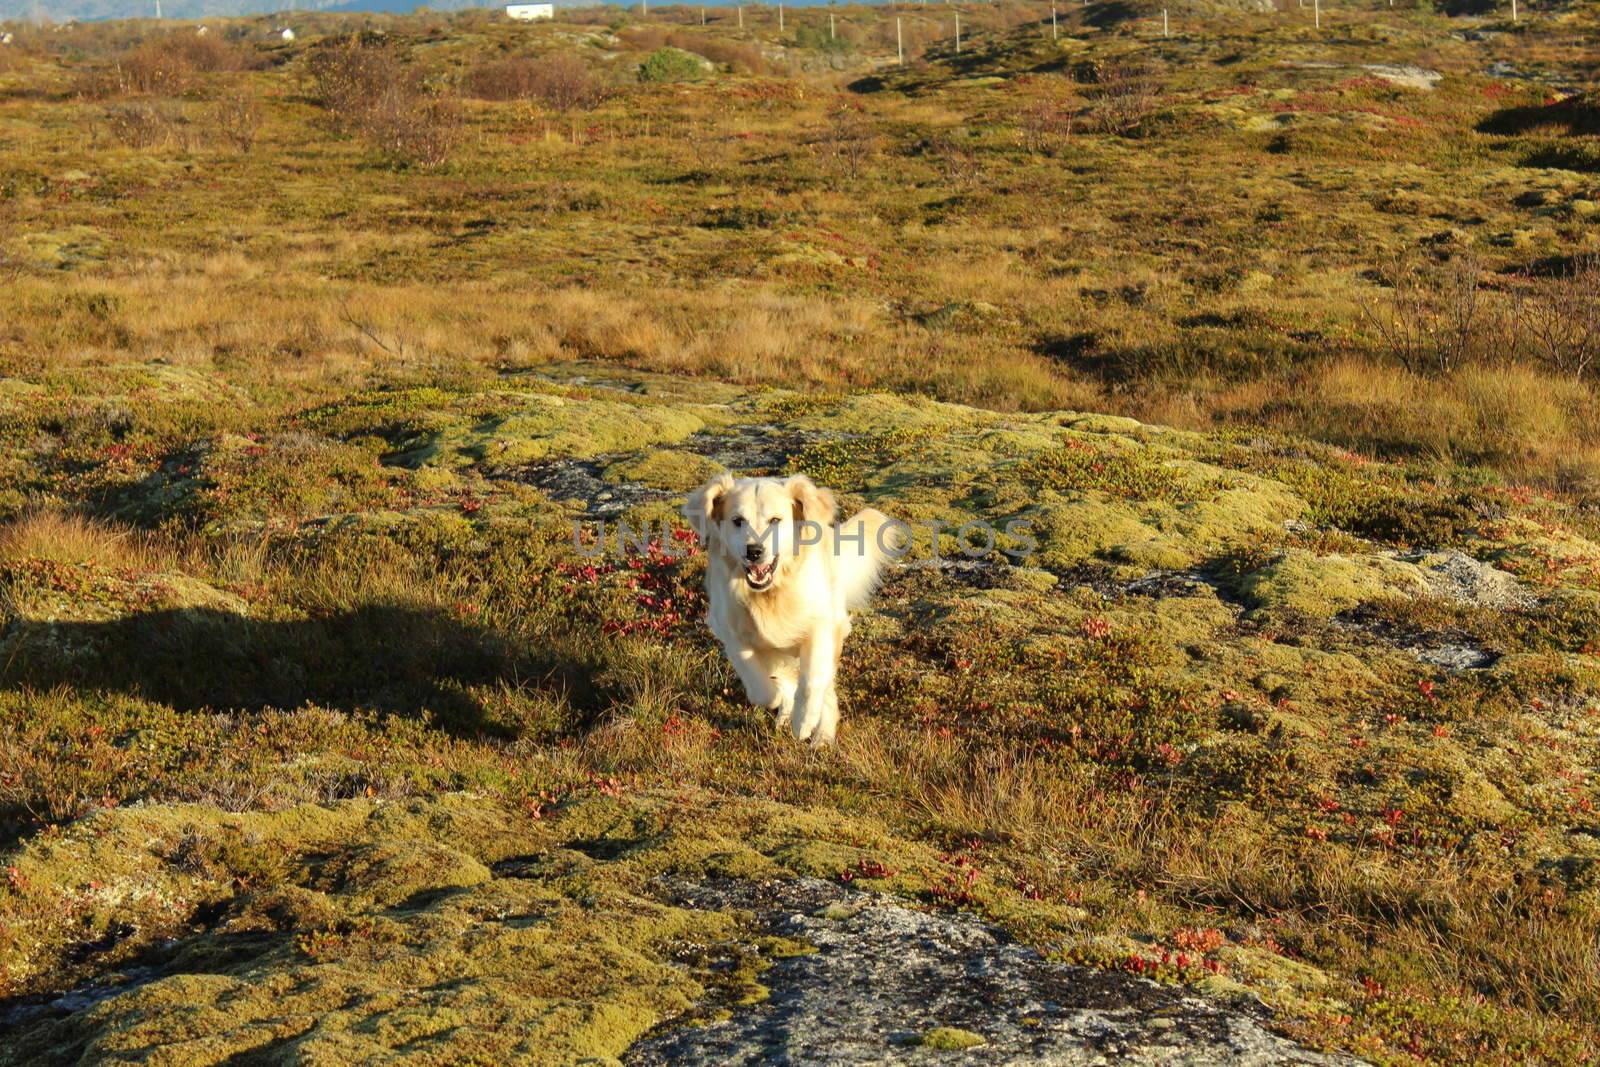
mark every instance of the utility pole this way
{"type": "Point", "coordinates": [1053, 20]}
{"type": "Point", "coordinates": [740, 9]}
{"type": "Point", "coordinates": [831, 34]}
{"type": "Point", "coordinates": [958, 32]}
{"type": "Point", "coordinates": [1316, 8]}
{"type": "Point", "coordinates": [158, 8]}
{"type": "Point", "coordinates": [899, 41]}
{"type": "Point", "coordinates": [780, 16]}
{"type": "Point", "coordinates": [1165, 29]}
{"type": "Point", "coordinates": [1513, 9]}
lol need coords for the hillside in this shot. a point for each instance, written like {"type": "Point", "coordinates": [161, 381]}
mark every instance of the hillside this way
{"type": "Point", "coordinates": [1268, 736]}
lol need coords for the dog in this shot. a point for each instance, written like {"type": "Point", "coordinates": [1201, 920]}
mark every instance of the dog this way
{"type": "Point", "coordinates": [782, 576]}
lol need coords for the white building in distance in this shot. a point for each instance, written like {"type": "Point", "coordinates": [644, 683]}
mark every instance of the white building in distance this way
{"type": "Point", "coordinates": [529, 12]}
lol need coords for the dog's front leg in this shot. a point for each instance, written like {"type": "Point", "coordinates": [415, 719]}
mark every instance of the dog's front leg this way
{"type": "Point", "coordinates": [787, 683]}
{"type": "Point", "coordinates": [818, 660]}
{"type": "Point", "coordinates": [752, 669]}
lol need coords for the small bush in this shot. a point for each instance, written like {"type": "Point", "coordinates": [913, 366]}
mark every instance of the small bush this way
{"type": "Point", "coordinates": [1557, 318]}
{"type": "Point", "coordinates": [736, 55]}
{"type": "Point", "coordinates": [1433, 319]}
{"type": "Point", "coordinates": [164, 66]}
{"type": "Point", "coordinates": [144, 124]}
{"type": "Point", "coordinates": [670, 65]}
{"type": "Point", "coordinates": [1047, 121]}
{"type": "Point", "coordinates": [561, 81]}
{"type": "Point", "coordinates": [350, 78]}
{"type": "Point", "coordinates": [369, 90]}
{"type": "Point", "coordinates": [414, 128]}
{"type": "Point", "coordinates": [153, 68]}
{"type": "Point", "coordinates": [1121, 96]}
{"type": "Point", "coordinates": [848, 142]}
{"type": "Point", "coordinates": [236, 119]}
{"type": "Point", "coordinates": [207, 54]}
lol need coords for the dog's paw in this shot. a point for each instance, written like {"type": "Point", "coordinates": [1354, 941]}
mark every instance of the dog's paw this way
{"type": "Point", "coordinates": [782, 706]}
{"type": "Point", "coordinates": [823, 737]}
{"type": "Point", "coordinates": [804, 728]}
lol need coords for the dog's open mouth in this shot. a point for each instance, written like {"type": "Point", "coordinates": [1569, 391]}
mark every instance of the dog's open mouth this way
{"type": "Point", "coordinates": [759, 575]}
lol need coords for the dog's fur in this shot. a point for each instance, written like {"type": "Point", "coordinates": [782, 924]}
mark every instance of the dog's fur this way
{"type": "Point", "coordinates": [781, 607]}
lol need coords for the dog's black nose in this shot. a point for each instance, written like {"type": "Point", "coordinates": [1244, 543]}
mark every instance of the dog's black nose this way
{"type": "Point", "coordinates": [752, 553]}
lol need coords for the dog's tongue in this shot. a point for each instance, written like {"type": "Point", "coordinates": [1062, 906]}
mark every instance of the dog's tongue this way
{"type": "Point", "coordinates": [760, 572]}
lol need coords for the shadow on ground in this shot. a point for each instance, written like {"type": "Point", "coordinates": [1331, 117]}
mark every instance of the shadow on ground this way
{"type": "Point", "coordinates": [384, 658]}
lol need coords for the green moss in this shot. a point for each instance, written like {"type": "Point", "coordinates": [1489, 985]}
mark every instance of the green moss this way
{"type": "Point", "coordinates": [1323, 586]}
{"type": "Point", "coordinates": [532, 427]}
{"type": "Point", "coordinates": [950, 1039]}
{"type": "Point", "coordinates": [664, 469]}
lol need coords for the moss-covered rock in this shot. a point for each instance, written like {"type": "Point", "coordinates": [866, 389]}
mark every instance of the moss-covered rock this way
{"type": "Point", "coordinates": [1324, 586]}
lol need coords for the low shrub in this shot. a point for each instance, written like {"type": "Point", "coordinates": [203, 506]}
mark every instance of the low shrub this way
{"type": "Point", "coordinates": [670, 65]}
{"type": "Point", "coordinates": [560, 81]}
{"type": "Point", "coordinates": [144, 124]}
{"type": "Point", "coordinates": [236, 120]}
{"type": "Point", "coordinates": [370, 90]}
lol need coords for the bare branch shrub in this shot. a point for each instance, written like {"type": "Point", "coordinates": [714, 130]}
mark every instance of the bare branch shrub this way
{"type": "Point", "coordinates": [170, 65]}
{"type": "Point", "coordinates": [413, 127]}
{"type": "Point", "coordinates": [560, 81]}
{"type": "Point", "coordinates": [154, 69]}
{"type": "Point", "coordinates": [206, 53]}
{"type": "Point", "coordinates": [145, 124]}
{"type": "Point", "coordinates": [1434, 319]}
{"type": "Point", "coordinates": [848, 142]}
{"type": "Point", "coordinates": [348, 78]}
{"type": "Point", "coordinates": [369, 90]}
{"type": "Point", "coordinates": [957, 162]}
{"type": "Point", "coordinates": [1047, 121]}
{"type": "Point", "coordinates": [236, 120]}
{"type": "Point", "coordinates": [1557, 317]}
{"type": "Point", "coordinates": [1121, 96]}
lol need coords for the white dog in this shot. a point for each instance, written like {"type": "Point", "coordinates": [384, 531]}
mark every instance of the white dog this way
{"type": "Point", "coordinates": [782, 577]}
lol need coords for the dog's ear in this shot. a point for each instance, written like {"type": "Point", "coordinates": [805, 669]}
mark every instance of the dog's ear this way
{"type": "Point", "coordinates": [810, 503]}
{"type": "Point", "coordinates": [704, 508]}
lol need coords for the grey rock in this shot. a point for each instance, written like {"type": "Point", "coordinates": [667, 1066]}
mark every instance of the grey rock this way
{"type": "Point", "coordinates": [885, 974]}
{"type": "Point", "coordinates": [1408, 76]}
{"type": "Point", "coordinates": [1457, 576]}
{"type": "Point", "coordinates": [1455, 657]}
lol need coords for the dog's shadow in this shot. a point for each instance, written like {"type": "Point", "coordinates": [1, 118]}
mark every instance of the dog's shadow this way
{"type": "Point", "coordinates": [382, 658]}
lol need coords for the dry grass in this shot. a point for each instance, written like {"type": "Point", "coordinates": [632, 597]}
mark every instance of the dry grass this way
{"type": "Point", "coordinates": [66, 537]}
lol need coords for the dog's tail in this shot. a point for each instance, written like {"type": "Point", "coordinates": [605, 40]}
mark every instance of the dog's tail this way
{"type": "Point", "coordinates": [866, 541]}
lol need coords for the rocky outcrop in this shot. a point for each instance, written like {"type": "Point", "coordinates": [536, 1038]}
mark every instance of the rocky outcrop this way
{"type": "Point", "coordinates": [890, 984]}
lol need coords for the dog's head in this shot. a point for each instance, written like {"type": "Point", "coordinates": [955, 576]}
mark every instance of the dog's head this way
{"type": "Point", "coordinates": [760, 524]}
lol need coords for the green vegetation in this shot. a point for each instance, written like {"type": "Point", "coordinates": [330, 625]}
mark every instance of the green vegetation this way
{"type": "Point", "coordinates": [670, 65]}
{"type": "Point", "coordinates": [321, 738]}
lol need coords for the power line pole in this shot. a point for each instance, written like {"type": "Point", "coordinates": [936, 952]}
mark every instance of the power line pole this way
{"type": "Point", "coordinates": [1053, 20]}
{"type": "Point", "coordinates": [958, 32]}
{"type": "Point", "coordinates": [899, 41]}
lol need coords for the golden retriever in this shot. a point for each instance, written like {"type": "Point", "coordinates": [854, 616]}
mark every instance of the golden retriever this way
{"type": "Point", "coordinates": [782, 577]}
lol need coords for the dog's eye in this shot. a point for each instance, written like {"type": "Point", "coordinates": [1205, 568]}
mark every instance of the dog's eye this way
{"type": "Point", "coordinates": [738, 520]}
